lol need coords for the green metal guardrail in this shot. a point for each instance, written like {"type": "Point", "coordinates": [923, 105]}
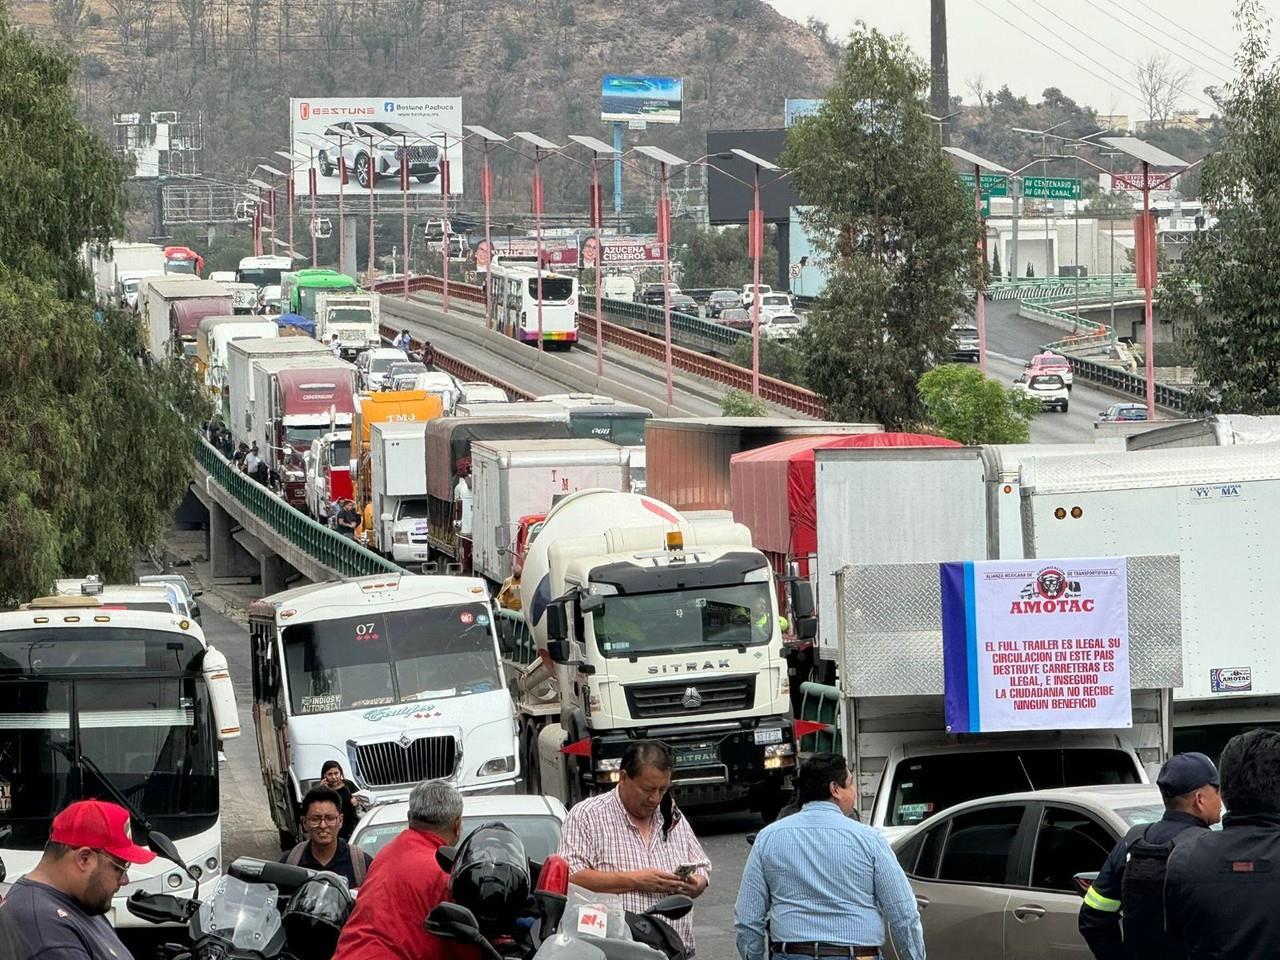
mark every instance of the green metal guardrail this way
{"type": "Point", "coordinates": [689, 331]}
{"type": "Point", "coordinates": [821, 704]}
{"type": "Point", "coordinates": [328, 547]}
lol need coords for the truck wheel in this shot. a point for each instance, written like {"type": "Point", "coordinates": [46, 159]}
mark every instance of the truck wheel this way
{"type": "Point", "coordinates": [1065, 406]}
{"type": "Point", "coordinates": [770, 804]}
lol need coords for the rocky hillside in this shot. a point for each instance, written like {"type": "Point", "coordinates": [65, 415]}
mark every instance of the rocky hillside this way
{"type": "Point", "coordinates": [517, 64]}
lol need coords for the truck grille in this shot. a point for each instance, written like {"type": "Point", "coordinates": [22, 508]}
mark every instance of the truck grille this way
{"type": "Point", "coordinates": [389, 764]}
{"type": "Point", "coordinates": [421, 153]}
{"type": "Point", "coordinates": [688, 697]}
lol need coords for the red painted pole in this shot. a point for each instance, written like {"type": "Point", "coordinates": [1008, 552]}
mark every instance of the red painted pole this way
{"type": "Point", "coordinates": [371, 176]}
{"type": "Point", "coordinates": [1149, 334]}
{"type": "Point", "coordinates": [537, 219]}
{"type": "Point", "coordinates": [311, 185]}
{"type": "Point", "coordinates": [980, 304]}
{"type": "Point", "coordinates": [664, 238]}
{"type": "Point", "coordinates": [487, 187]}
{"type": "Point", "coordinates": [404, 211]}
{"type": "Point", "coordinates": [596, 211]}
{"type": "Point", "coordinates": [342, 221]}
{"type": "Point", "coordinates": [756, 241]}
{"type": "Point", "coordinates": [444, 225]}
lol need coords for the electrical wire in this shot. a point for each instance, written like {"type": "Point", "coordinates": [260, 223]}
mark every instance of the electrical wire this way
{"type": "Point", "coordinates": [1124, 82]}
{"type": "Point", "coordinates": [1187, 93]}
{"type": "Point", "coordinates": [1161, 44]}
{"type": "Point", "coordinates": [1190, 33]}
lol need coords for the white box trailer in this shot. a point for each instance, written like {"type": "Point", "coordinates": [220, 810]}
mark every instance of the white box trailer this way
{"type": "Point", "coordinates": [398, 471]}
{"type": "Point", "coordinates": [892, 715]}
{"type": "Point", "coordinates": [1218, 508]}
{"type": "Point", "coordinates": [511, 479]}
{"type": "Point", "coordinates": [240, 386]}
{"type": "Point", "coordinates": [1217, 431]}
{"type": "Point", "coordinates": [911, 504]}
{"type": "Point", "coordinates": [121, 260]}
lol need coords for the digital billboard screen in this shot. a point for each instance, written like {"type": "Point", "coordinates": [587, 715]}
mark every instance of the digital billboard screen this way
{"type": "Point", "coordinates": [624, 99]}
{"type": "Point", "coordinates": [727, 199]}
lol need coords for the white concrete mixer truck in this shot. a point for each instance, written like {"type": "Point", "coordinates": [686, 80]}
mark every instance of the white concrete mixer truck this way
{"type": "Point", "coordinates": [647, 625]}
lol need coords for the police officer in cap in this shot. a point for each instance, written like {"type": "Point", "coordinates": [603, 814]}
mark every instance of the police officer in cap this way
{"type": "Point", "coordinates": [1130, 885]}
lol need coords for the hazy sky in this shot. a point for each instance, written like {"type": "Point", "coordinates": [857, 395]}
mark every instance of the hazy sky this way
{"type": "Point", "coordinates": [1028, 43]}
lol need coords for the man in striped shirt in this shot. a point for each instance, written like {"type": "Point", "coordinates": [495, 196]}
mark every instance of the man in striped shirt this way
{"type": "Point", "coordinates": [633, 840]}
{"type": "Point", "coordinates": [819, 884]}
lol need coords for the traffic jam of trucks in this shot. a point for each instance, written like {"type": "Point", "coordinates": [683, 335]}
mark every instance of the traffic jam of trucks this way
{"type": "Point", "coordinates": [747, 590]}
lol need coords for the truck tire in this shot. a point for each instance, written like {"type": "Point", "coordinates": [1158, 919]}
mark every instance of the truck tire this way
{"type": "Point", "coordinates": [770, 803]}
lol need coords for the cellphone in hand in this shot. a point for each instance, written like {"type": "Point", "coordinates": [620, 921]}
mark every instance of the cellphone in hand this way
{"type": "Point", "coordinates": [685, 870]}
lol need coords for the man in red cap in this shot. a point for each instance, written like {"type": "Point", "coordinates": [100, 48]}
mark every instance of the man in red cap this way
{"type": "Point", "coordinates": [56, 912]}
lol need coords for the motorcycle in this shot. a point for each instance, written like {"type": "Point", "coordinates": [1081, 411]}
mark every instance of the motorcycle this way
{"type": "Point", "coordinates": [494, 910]}
{"type": "Point", "coordinates": [260, 910]}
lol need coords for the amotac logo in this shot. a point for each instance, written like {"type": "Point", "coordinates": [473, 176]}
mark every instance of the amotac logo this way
{"type": "Point", "coordinates": [1051, 592]}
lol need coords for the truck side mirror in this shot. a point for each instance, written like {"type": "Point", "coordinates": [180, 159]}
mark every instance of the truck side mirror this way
{"type": "Point", "coordinates": [802, 599]}
{"type": "Point", "coordinates": [560, 651]}
{"type": "Point", "coordinates": [557, 624]}
{"type": "Point", "coordinates": [590, 603]}
{"type": "Point", "coordinates": [806, 628]}
{"type": "Point", "coordinates": [501, 537]}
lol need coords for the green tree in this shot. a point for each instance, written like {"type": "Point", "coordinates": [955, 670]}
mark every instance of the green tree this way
{"type": "Point", "coordinates": [899, 235]}
{"type": "Point", "coordinates": [718, 258]}
{"type": "Point", "coordinates": [1116, 205]}
{"type": "Point", "coordinates": [1230, 324]}
{"type": "Point", "coordinates": [996, 271]}
{"type": "Point", "coordinates": [95, 447]}
{"type": "Point", "coordinates": [781, 360]}
{"type": "Point", "coordinates": [739, 403]}
{"type": "Point", "coordinates": [962, 404]}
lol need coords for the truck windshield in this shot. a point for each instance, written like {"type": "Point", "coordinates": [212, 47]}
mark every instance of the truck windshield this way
{"type": "Point", "coordinates": [922, 786]}
{"type": "Point", "coordinates": [706, 618]}
{"type": "Point", "coordinates": [415, 509]}
{"type": "Point", "coordinates": [624, 429]}
{"type": "Point", "coordinates": [301, 435]}
{"type": "Point", "coordinates": [179, 266]}
{"type": "Point", "coordinates": [340, 453]}
{"type": "Point", "coordinates": [259, 276]}
{"type": "Point", "coordinates": [153, 738]}
{"type": "Point", "coordinates": [362, 316]}
{"type": "Point", "coordinates": [385, 658]}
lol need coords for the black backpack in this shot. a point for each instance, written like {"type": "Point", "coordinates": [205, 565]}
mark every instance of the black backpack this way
{"type": "Point", "coordinates": [1142, 896]}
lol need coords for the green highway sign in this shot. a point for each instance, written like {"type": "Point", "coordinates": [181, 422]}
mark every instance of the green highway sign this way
{"type": "Point", "coordinates": [986, 204]}
{"type": "Point", "coordinates": [993, 184]}
{"type": "Point", "coordinates": [1051, 188]}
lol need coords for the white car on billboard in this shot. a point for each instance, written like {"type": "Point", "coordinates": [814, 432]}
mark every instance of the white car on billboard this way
{"type": "Point", "coordinates": [392, 145]}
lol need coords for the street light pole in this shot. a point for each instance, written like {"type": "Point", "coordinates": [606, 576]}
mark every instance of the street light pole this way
{"type": "Point", "coordinates": [370, 175]}
{"type": "Point", "coordinates": [597, 148]}
{"type": "Point", "coordinates": [664, 239]}
{"type": "Point", "coordinates": [314, 229]}
{"type": "Point", "coordinates": [444, 222]}
{"type": "Point", "coordinates": [404, 210]}
{"type": "Point", "coordinates": [757, 241]}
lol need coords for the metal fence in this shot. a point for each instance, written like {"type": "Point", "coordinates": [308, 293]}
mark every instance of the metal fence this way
{"type": "Point", "coordinates": [820, 703]}
{"type": "Point", "coordinates": [328, 547]}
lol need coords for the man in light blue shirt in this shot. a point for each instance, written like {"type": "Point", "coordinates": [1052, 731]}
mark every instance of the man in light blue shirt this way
{"type": "Point", "coordinates": [819, 884]}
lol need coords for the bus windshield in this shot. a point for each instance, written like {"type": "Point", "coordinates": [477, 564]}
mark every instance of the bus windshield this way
{"type": "Point", "coordinates": [385, 658]}
{"type": "Point", "coordinates": [681, 621]}
{"type": "Point", "coordinates": [556, 289]}
{"type": "Point", "coordinates": [152, 737]}
{"type": "Point", "coordinates": [624, 429]}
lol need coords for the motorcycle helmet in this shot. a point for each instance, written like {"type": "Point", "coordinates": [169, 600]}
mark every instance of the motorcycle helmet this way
{"type": "Point", "coordinates": [315, 916]}
{"type": "Point", "coordinates": [490, 876]}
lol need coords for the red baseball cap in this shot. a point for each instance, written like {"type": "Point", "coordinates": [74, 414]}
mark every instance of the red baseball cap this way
{"type": "Point", "coordinates": [101, 825]}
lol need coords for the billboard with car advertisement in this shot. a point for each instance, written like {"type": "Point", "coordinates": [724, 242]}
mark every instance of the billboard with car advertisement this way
{"type": "Point", "coordinates": [626, 99]}
{"type": "Point", "coordinates": [383, 138]}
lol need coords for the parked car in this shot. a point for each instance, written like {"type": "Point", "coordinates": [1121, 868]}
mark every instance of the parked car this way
{"type": "Point", "coordinates": [772, 303]}
{"type": "Point", "coordinates": [394, 145]}
{"type": "Point", "coordinates": [781, 326]}
{"type": "Point", "coordinates": [1051, 363]}
{"type": "Point", "coordinates": [683, 303]}
{"type": "Point", "coordinates": [1123, 413]}
{"type": "Point", "coordinates": [536, 820]}
{"type": "Point", "coordinates": [179, 583]}
{"type": "Point", "coordinates": [964, 343]}
{"type": "Point", "coordinates": [749, 292]}
{"type": "Point", "coordinates": [735, 317]}
{"type": "Point", "coordinates": [652, 293]}
{"type": "Point", "coordinates": [1004, 876]}
{"type": "Point", "coordinates": [372, 365]}
{"type": "Point", "coordinates": [1048, 388]}
{"type": "Point", "coordinates": [721, 300]}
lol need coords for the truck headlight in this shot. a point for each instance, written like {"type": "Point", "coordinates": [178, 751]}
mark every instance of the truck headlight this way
{"type": "Point", "coordinates": [496, 766]}
{"type": "Point", "coordinates": [609, 765]}
{"type": "Point", "coordinates": [401, 537]}
{"type": "Point", "coordinates": [780, 750]}
{"type": "Point", "coordinates": [295, 476]}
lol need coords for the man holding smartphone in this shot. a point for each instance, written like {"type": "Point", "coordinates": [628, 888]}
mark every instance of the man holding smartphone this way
{"type": "Point", "coordinates": [633, 840]}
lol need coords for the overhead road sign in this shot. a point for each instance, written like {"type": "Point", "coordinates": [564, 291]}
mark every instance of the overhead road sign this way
{"type": "Point", "coordinates": [993, 184]}
{"type": "Point", "coordinates": [1051, 188]}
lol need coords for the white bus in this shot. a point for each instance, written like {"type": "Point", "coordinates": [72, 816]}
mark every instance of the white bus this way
{"type": "Point", "coordinates": [139, 695]}
{"type": "Point", "coordinates": [397, 677]}
{"type": "Point", "coordinates": [515, 302]}
{"type": "Point", "coordinates": [263, 271]}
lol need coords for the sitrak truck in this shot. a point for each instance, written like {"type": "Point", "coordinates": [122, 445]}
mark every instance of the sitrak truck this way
{"type": "Point", "coordinates": [650, 626]}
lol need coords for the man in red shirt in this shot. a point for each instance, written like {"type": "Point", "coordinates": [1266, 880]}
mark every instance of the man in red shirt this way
{"type": "Point", "coordinates": [405, 883]}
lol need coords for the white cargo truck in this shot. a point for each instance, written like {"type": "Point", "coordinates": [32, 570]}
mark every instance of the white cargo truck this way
{"type": "Point", "coordinates": [1218, 508]}
{"type": "Point", "coordinates": [398, 468]}
{"type": "Point", "coordinates": [354, 317]}
{"type": "Point", "coordinates": [892, 715]}
{"type": "Point", "coordinates": [910, 504]}
{"type": "Point", "coordinates": [123, 262]}
{"type": "Point", "coordinates": [661, 628]}
{"type": "Point", "coordinates": [240, 386]}
{"type": "Point", "coordinates": [513, 479]}
{"type": "Point", "coordinates": [1216, 431]}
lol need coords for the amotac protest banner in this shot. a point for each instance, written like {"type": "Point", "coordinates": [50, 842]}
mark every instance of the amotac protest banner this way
{"type": "Point", "coordinates": [1036, 645]}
